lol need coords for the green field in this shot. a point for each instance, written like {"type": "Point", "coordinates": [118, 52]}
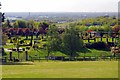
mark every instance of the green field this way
{"type": "Point", "coordinates": [58, 69]}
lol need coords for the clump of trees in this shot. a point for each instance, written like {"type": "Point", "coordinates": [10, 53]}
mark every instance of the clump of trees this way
{"type": "Point", "coordinates": [20, 24]}
{"type": "Point", "coordinates": [69, 42]}
{"type": "Point", "coordinates": [99, 24]}
{"type": "Point", "coordinates": [96, 24]}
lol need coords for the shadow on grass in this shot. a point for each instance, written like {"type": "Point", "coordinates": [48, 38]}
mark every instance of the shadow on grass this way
{"type": "Point", "coordinates": [17, 63]}
{"type": "Point", "coordinates": [82, 50]}
{"type": "Point", "coordinates": [107, 49]}
{"type": "Point", "coordinates": [85, 50]}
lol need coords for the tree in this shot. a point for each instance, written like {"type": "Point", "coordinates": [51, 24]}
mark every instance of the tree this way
{"type": "Point", "coordinates": [30, 24]}
{"type": "Point", "coordinates": [27, 31]}
{"type": "Point", "coordinates": [43, 28]}
{"type": "Point", "coordinates": [54, 39]}
{"type": "Point", "coordinates": [20, 32]}
{"type": "Point", "coordinates": [53, 31]}
{"type": "Point", "coordinates": [94, 28]}
{"type": "Point", "coordinates": [36, 25]}
{"type": "Point", "coordinates": [4, 39]}
{"type": "Point", "coordinates": [44, 25]}
{"type": "Point", "coordinates": [116, 28]}
{"type": "Point", "coordinates": [15, 25]}
{"type": "Point", "coordinates": [20, 24]}
{"type": "Point", "coordinates": [107, 28]}
{"type": "Point", "coordinates": [6, 24]}
{"type": "Point", "coordinates": [72, 42]}
{"type": "Point", "coordinates": [83, 28]}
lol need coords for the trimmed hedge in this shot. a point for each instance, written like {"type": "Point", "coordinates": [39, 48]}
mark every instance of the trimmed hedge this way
{"type": "Point", "coordinates": [97, 45]}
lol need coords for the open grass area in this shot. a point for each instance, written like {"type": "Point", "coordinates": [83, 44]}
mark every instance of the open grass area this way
{"type": "Point", "coordinates": [58, 69]}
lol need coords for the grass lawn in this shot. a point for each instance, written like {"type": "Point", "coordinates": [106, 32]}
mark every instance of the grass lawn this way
{"type": "Point", "coordinates": [58, 69]}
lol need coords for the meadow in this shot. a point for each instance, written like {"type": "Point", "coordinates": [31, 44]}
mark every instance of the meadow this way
{"type": "Point", "coordinates": [58, 69]}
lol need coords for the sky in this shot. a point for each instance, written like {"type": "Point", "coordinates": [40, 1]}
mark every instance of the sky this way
{"type": "Point", "coordinates": [59, 5]}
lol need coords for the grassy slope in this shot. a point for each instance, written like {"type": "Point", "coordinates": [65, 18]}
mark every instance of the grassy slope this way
{"type": "Point", "coordinates": [43, 53]}
{"type": "Point", "coordinates": [97, 69]}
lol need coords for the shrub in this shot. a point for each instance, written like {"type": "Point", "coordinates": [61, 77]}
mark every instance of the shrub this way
{"type": "Point", "coordinates": [97, 45]}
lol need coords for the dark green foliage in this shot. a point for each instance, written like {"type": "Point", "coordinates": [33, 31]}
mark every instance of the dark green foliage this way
{"type": "Point", "coordinates": [8, 24]}
{"type": "Point", "coordinates": [68, 42]}
{"type": "Point", "coordinates": [54, 45]}
{"type": "Point", "coordinates": [72, 42]}
{"type": "Point", "coordinates": [20, 24]}
{"type": "Point", "coordinates": [44, 25]}
{"type": "Point", "coordinates": [54, 39]}
{"type": "Point", "coordinates": [53, 31]}
{"type": "Point", "coordinates": [97, 45]}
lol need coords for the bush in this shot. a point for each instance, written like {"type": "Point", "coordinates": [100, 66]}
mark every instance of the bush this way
{"type": "Point", "coordinates": [97, 45]}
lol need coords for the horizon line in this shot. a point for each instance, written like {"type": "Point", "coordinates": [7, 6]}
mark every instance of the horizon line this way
{"type": "Point", "coordinates": [63, 12]}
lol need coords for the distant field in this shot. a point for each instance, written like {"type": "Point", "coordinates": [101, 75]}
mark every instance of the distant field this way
{"type": "Point", "coordinates": [58, 69]}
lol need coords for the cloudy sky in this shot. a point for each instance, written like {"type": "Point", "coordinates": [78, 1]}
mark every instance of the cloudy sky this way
{"type": "Point", "coordinates": [59, 5]}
